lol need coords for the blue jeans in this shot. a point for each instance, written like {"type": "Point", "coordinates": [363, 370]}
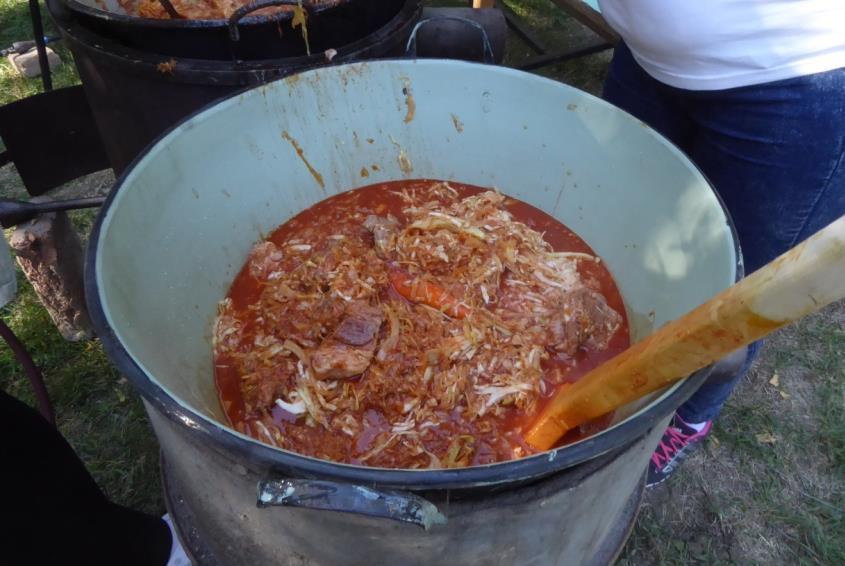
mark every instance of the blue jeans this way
{"type": "Point", "coordinates": [773, 151]}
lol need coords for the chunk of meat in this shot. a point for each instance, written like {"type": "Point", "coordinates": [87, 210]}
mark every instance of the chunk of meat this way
{"type": "Point", "coordinates": [339, 361]}
{"type": "Point", "coordinates": [384, 232]}
{"type": "Point", "coordinates": [359, 327]}
{"type": "Point", "coordinates": [584, 319]}
{"type": "Point", "coordinates": [349, 350]}
{"type": "Point", "coordinates": [267, 389]}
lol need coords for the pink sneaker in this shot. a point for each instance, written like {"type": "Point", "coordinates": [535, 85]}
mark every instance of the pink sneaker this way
{"type": "Point", "coordinates": [677, 443]}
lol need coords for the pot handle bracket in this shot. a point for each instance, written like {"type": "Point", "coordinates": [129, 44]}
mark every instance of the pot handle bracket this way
{"type": "Point", "coordinates": [411, 46]}
{"type": "Point", "coordinates": [347, 498]}
{"type": "Point", "coordinates": [240, 13]}
{"type": "Point", "coordinates": [171, 10]}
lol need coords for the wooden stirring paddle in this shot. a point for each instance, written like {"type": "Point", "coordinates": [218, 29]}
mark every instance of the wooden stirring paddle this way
{"type": "Point", "coordinates": [800, 282]}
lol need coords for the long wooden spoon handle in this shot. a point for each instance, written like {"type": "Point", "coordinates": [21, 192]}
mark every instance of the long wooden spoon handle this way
{"type": "Point", "coordinates": [800, 282]}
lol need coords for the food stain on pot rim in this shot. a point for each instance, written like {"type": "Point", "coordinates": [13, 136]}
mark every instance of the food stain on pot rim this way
{"type": "Point", "coordinates": [405, 164]}
{"type": "Point", "coordinates": [314, 173]}
{"type": "Point", "coordinates": [409, 100]}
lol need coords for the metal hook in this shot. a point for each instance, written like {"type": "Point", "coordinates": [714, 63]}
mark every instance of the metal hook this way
{"type": "Point", "coordinates": [239, 14]}
{"type": "Point", "coordinates": [171, 10]}
{"type": "Point", "coordinates": [411, 46]}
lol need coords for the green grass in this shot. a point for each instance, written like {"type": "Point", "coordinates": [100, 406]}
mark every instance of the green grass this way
{"type": "Point", "coordinates": [743, 500]}
{"type": "Point", "coordinates": [15, 26]}
{"type": "Point", "coordinates": [814, 524]}
{"type": "Point", "coordinates": [736, 501]}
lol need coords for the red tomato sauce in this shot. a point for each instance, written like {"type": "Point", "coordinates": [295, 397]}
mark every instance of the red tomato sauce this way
{"type": "Point", "coordinates": [382, 199]}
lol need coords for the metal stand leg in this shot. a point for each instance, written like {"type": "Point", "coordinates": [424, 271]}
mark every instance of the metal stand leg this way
{"type": "Point", "coordinates": [40, 46]}
{"type": "Point", "coordinates": [544, 60]}
{"type": "Point", "coordinates": [31, 370]}
{"type": "Point", "coordinates": [520, 29]}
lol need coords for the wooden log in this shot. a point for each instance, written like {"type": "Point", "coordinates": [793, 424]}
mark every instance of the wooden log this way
{"type": "Point", "coordinates": [50, 254]}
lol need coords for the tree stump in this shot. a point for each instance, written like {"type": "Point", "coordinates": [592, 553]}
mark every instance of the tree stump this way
{"type": "Point", "coordinates": [49, 252]}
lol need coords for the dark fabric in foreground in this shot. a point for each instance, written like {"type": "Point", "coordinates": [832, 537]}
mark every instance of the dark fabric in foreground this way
{"type": "Point", "coordinates": [53, 512]}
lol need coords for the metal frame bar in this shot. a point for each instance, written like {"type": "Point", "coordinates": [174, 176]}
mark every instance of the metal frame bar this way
{"type": "Point", "coordinates": [588, 17]}
{"type": "Point", "coordinates": [40, 45]}
{"type": "Point", "coordinates": [516, 25]}
{"type": "Point", "coordinates": [565, 55]}
{"type": "Point", "coordinates": [32, 371]}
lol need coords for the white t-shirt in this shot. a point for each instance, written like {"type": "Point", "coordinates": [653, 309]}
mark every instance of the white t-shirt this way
{"type": "Point", "coordinates": [718, 44]}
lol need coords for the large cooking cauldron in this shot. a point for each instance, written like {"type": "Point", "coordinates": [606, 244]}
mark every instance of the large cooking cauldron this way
{"type": "Point", "coordinates": [135, 94]}
{"type": "Point", "coordinates": [331, 23]}
{"type": "Point", "coordinates": [179, 223]}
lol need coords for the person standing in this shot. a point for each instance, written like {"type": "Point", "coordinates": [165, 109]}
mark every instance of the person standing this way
{"type": "Point", "coordinates": [754, 92]}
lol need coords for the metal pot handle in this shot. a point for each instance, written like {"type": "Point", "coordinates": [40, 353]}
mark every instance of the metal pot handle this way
{"type": "Point", "coordinates": [411, 46]}
{"type": "Point", "coordinates": [171, 10]}
{"type": "Point", "coordinates": [347, 498]}
{"type": "Point", "coordinates": [240, 13]}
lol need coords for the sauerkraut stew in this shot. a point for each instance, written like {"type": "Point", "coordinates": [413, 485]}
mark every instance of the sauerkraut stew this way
{"type": "Point", "coordinates": [412, 324]}
{"type": "Point", "coordinates": [202, 9]}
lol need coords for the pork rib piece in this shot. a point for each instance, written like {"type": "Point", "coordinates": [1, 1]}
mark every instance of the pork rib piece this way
{"type": "Point", "coordinates": [349, 350]}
